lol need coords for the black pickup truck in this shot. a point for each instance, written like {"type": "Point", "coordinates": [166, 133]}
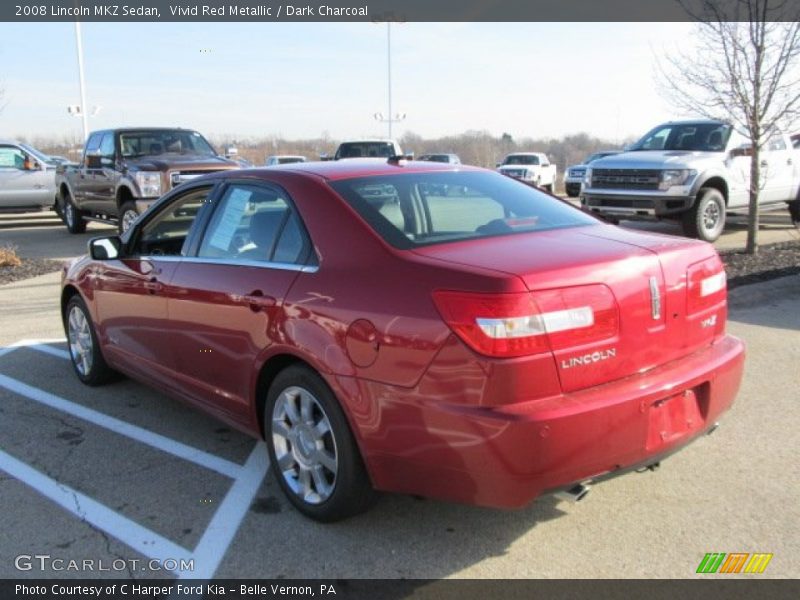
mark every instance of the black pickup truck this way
{"type": "Point", "coordinates": [123, 171]}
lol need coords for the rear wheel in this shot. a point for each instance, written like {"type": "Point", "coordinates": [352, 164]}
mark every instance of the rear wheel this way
{"type": "Point", "coordinates": [72, 216]}
{"type": "Point", "coordinates": [706, 219]}
{"type": "Point", "coordinates": [127, 216]}
{"type": "Point", "coordinates": [84, 350]}
{"type": "Point", "coordinates": [311, 448]}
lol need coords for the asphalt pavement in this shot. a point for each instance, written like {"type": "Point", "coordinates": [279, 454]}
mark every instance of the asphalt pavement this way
{"type": "Point", "coordinates": [122, 473]}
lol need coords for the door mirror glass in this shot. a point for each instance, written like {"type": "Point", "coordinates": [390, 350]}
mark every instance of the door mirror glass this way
{"type": "Point", "coordinates": [105, 248]}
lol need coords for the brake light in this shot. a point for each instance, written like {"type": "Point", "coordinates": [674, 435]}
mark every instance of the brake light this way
{"type": "Point", "coordinates": [524, 323]}
{"type": "Point", "coordinates": [706, 285]}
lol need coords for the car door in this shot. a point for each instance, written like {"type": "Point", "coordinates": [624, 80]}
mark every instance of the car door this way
{"type": "Point", "coordinates": [777, 170]}
{"type": "Point", "coordinates": [226, 298]}
{"type": "Point", "coordinates": [101, 177]}
{"type": "Point", "coordinates": [84, 191]}
{"type": "Point", "coordinates": [131, 292]}
{"type": "Point", "coordinates": [21, 187]}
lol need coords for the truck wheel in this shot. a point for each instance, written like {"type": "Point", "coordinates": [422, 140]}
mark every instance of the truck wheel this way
{"type": "Point", "coordinates": [72, 216]}
{"type": "Point", "coordinates": [794, 212]}
{"type": "Point", "coordinates": [706, 219]}
{"type": "Point", "coordinates": [127, 215]}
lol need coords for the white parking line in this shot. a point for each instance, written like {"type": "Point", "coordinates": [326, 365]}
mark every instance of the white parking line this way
{"type": "Point", "coordinates": [165, 444]}
{"type": "Point", "coordinates": [129, 532]}
{"type": "Point", "coordinates": [230, 514]}
{"type": "Point", "coordinates": [222, 528]}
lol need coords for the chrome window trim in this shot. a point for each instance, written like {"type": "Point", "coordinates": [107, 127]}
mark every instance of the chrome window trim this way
{"type": "Point", "coordinates": [232, 262]}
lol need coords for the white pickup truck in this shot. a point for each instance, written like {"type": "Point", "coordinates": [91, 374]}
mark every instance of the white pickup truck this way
{"type": "Point", "coordinates": [533, 167]}
{"type": "Point", "coordinates": [695, 172]}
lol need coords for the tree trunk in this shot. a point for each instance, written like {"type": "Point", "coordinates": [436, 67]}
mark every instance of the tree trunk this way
{"type": "Point", "coordinates": [755, 190]}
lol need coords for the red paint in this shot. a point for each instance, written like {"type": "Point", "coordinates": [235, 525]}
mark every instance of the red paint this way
{"type": "Point", "coordinates": [432, 414]}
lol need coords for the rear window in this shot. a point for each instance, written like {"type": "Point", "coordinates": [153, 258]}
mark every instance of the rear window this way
{"type": "Point", "coordinates": [419, 209]}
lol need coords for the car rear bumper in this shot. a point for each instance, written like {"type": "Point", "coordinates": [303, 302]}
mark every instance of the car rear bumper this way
{"type": "Point", "coordinates": [506, 456]}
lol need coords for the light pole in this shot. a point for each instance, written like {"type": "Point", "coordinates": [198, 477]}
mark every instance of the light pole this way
{"type": "Point", "coordinates": [389, 118]}
{"type": "Point", "coordinates": [82, 84]}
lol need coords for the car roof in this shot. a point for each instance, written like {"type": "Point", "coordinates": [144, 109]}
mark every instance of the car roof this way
{"type": "Point", "coordinates": [352, 168]}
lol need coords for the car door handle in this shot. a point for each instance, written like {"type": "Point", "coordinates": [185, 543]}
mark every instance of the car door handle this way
{"type": "Point", "coordinates": [153, 285]}
{"type": "Point", "coordinates": [257, 300]}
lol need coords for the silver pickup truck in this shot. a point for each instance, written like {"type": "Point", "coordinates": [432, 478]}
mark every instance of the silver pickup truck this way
{"type": "Point", "coordinates": [695, 172]}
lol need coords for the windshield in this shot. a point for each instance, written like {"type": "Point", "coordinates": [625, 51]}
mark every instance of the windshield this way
{"type": "Point", "coordinates": [702, 137]}
{"type": "Point", "coordinates": [521, 159]}
{"type": "Point", "coordinates": [163, 141]}
{"type": "Point", "coordinates": [43, 158]}
{"type": "Point", "coordinates": [365, 149]}
{"type": "Point", "coordinates": [419, 209]}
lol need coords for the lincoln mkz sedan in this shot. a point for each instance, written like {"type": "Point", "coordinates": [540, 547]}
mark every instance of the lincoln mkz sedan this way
{"type": "Point", "coordinates": [459, 335]}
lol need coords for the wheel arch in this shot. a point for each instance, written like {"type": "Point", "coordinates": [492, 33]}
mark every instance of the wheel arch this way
{"type": "Point", "coordinates": [124, 194]}
{"type": "Point", "coordinates": [718, 183]}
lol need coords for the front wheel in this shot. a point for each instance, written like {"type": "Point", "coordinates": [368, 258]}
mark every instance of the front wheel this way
{"type": "Point", "coordinates": [127, 216]}
{"type": "Point", "coordinates": [84, 350]}
{"type": "Point", "coordinates": [794, 212]}
{"type": "Point", "coordinates": [706, 219]}
{"type": "Point", "coordinates": [311, 448]}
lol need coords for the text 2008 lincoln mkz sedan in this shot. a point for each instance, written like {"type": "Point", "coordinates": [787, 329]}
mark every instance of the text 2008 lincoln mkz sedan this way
{"type": "Point", "coordinates": [411, 327]}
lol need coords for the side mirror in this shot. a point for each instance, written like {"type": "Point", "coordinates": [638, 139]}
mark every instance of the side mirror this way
{"type": "Point", "coordinates": [498, 165]}
{"type": "Point", "coordinates": [741, 151]}
{"type": "Point", "coordinates": [105, 248]}
{"type": "Point", "coordinates": [93, 161]}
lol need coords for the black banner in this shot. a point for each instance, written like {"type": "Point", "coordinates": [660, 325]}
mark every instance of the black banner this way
{"type": "Point", "coordinates": [377, 10]}
{"type": "Point", "coordinates": [716, 586]}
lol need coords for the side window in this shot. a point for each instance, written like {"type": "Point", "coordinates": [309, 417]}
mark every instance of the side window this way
{"type": "Point", "coordinates": [107, 146]}
{"type": "Point", "coordinates": [11, 157]}
{"type": "Point", "coordinates": [256, 223]}
{"type": "Point", "coordinates": [775, 144]}
{"type": "Point", "coordinates": [166, 233]}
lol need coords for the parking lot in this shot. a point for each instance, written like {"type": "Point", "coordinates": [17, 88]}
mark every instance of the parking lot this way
{"type": "Point", "coordinates": [122, 475]}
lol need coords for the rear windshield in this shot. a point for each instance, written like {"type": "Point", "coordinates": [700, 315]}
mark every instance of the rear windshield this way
{"type": "Point", "coordinates": [418, 209]}
{"type": "Point", "coordinates": [521, 159]}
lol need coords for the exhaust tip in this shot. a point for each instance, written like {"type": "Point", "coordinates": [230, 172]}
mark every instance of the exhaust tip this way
{"type": "Point", "coordinates": [575, 493]}
{"type": "Point", "coordinates": [712, 429]}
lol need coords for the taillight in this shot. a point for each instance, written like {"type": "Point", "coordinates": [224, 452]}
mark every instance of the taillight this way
{"type": "Point", "coordinates": [524, 323]}
{"type": "Point", "coordinates": [706, 285]}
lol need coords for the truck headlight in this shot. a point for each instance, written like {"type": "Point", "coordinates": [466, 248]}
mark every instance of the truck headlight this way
{"type": "Point", "coordinates": [587, 177]}
{"type": "Point", "coordinates": [673, 177]}
{"type": "Point", "coordinates": [149, 183]}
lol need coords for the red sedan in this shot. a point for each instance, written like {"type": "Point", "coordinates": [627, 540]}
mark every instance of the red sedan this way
{"type": "Point", "coordinates": [411, 327]}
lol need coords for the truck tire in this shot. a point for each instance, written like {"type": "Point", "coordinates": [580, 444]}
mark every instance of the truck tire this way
{"type": "Point", "coordinates": [706, 219]}
{"type": "Point", "coordinates": [71, 215]}
{"type": "Point", "coordinates": [127, 215]}
{"type": "Point", "coordinates": [794, 212]}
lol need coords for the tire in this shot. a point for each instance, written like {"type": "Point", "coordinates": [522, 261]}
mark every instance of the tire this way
{"type": "Point", "coordinates": [322, 475]}
{"type": "Point", "coordinates": [71, 215]}
{"type": "Point", "coordinates": [794, 212]}
{"type": "Point", "coordinates": [127, 215]}
{"type": "Point", "coordinates": [84, 350]}
{"type": "Point", "coordinates": [571, 192]}
{"type": "Point", "coordinates": [706, 219]}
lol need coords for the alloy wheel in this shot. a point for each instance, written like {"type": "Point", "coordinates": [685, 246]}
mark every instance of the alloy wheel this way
{"type": "Point", "coordinates": [305, 449]}
{"type": "Point", "coordinates": [81, 347]}
{"type": "Point", "coordinates": [128, 218]}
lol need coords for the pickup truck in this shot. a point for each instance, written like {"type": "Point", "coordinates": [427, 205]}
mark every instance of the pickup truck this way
{"type": "Point", "coordinates": [533, 167]}
{"type": "Point", "coordinates": [27, 178]}
{"type": "Point", "coordinates": [368, 149]}
{"type": "Point", "coordinates": [692, 171]}
{"type": "Point", "coordinates": [123, 171]}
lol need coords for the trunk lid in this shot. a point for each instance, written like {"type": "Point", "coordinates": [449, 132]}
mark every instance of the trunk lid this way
{"type": "Point", "coordinates": [646, 273]}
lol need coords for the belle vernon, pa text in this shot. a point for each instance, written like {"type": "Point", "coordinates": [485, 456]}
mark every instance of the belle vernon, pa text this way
{"type": "Point", "coordinates": [208, 590]}
{"type": "Point", "coordinates": [188, 10]}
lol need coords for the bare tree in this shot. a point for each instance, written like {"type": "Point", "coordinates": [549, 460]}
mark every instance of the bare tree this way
{"type": "Point", "coordinates": [744, 70]}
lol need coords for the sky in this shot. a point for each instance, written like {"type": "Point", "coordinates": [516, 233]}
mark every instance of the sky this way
{"type": "Point", "coordinates": [305, 80]}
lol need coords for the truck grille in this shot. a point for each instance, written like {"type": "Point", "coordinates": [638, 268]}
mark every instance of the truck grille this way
{"type": "Point", "coordinates": [518, 173]}
{"type": "Point", "coordinates": [626, 179]}
{"type": "Point", "coordinates": [178, 177]}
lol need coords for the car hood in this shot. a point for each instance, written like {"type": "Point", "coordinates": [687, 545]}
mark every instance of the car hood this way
{"type": "Point", "coordinates": [653, 159]}
{"type": "Point", "coordinates": [183, 161]}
